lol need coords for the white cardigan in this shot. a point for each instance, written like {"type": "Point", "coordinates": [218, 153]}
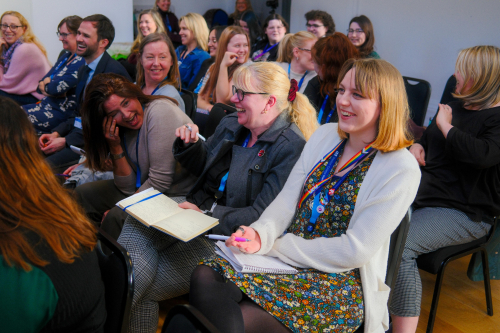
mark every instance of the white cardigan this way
{"type": "Point", "coordinates": [388, 189]}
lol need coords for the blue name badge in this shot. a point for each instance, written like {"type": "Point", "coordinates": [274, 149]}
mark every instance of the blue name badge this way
{"type": "Point", "coordinates": [78, 122]}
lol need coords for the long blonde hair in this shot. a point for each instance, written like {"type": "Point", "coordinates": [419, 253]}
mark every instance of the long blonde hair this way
{"type": "Point", "coordinates": [481, 64]}
{"type": "Point", "coordinates": [272, 79]}
{"type": "Point", "coordinates": [198, 26]}
{"type": "Point", "coordinates": [291, 41]}
{"type": "Point", "coordinates": [379, 80]}
{"type": "Point", "coordinates": [28, 36]}
{"type": "Point", "coordinates": [159, 28]}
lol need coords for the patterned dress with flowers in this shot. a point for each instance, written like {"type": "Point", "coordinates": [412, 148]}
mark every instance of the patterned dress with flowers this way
{"type": "Point", "coordinates": [311, 301]}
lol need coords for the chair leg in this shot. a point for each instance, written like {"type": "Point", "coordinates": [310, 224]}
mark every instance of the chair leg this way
{"type": "Point", "coordinates": [435, 297]}
{"type": "Point", "coordinates": [487, 285]}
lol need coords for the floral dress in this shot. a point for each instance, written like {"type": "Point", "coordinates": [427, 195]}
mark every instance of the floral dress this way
{"type": "Point", "coordinates": [311, 301]}
{"type": "Point", "coordinates": [61, 104]}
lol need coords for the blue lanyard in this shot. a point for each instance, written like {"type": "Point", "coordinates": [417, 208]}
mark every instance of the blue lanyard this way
{"type": "Point", "coordinates": [223, 181]}
{"type": "Point", "coordinates": [59, 66]}
{"type": "Point", "coordinates": [156, 89]}
{"type": "Point", "coordinates": [301, 80]}
{"type": "Point", "coordinates": [138, 172]}
{"type": "Point", "coordinates": [135, 203]}
{"type": "Point", "coordinates": [266, 49]}
{"type": "Point", "coordinates": [320, 115]}
{"type": "Point", "coordinates": [168, 25]}
{"type": "Point", "coordinates": [320, 201]}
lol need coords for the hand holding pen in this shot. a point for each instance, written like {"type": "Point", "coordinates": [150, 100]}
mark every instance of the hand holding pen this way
{"type": "Point", "coordinates": [251, 246]}
{"type": "Point", "coordinates": [188, 133]}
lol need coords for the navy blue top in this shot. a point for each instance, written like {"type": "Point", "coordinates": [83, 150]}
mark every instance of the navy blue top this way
{"type": "Point", "coordinates": [191, 64]}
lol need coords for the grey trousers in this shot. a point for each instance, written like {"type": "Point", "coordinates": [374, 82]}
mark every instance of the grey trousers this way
{"type": "Point", "coordinates": [162, 269]}
{"type": "Point", "coordinates": [430, 229]}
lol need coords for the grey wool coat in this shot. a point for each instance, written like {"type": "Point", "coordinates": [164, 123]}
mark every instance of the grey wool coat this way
{"type": "Point", "coordinates": [256, 174]}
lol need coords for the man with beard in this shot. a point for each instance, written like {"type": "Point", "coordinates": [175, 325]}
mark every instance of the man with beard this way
{"type": "Point", "coordinates": [94, 37]}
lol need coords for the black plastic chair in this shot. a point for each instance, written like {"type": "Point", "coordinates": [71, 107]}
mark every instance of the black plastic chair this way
{"type": "Point", "coordinates": [117, 273]}
{"type": "Point", "coordinates": [187, 319]}
{"type": "Point", "coordinates": [418, 94]}
{"type": "Point", "coordinates": [190, 102]}
{"type": "Point", "coordinates": [436, 262]}
{"type": "Point", "coordinates": [215, 17]}
{"type": "Point", "coordinates": [219, 111]}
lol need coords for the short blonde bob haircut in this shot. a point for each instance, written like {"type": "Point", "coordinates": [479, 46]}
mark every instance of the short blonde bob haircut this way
{"type": "Point", "coordinates": [160, 27]}
{"type": "Point", "coordinates": [379, 80]}
{"type": "Point", "coordinates": [198, 26]}
{"type": "Point", "coordinates": [29, 35]}
{"type": "Point", "coordinates": [481, 65]}
{"type": "Point", "coordinates": [292, 41]}
{"type": "Point", "coordinates": [270, 78]}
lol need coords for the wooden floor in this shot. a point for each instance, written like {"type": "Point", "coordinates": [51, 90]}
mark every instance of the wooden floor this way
{"type": "Point", "coordinates": [462, 305]}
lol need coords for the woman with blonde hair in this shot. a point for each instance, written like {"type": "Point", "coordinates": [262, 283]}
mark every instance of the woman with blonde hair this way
{"type": "Point", "coordinates": [262, 141]}
{"type": "Point", "coordinates": [193, 51]}
{"type": "Point", "coordinates": [294, 56]}
{"type": "Point", "coordinates": [23, 59]}
{"type": "Point", "coordinates": [149, 21]}
{"type": "Point", "coordinates": [333, 221]}
{"type": "Point", "coordinates": [239, 8]}
{"type": "Point", "coordinates": [50, 277]}
{"type": "Point", "coordinates": [459, 195]}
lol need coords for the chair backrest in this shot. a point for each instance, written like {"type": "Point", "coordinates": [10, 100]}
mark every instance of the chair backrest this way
{"type": "Point", "coordinates": [398, 240]}
{"type": "Point", "coordinates": [190, 102]}
{"type": "Point", "coordinates": [219, 111]}
{"type": "Point", "coordinates": [118, 276]}
{"type": "Point", "coordinates": [187, 319]}
{"type": "Point", "coordinates": [418, 94]}
{"type": "Point", "coordinates": [215, 17]}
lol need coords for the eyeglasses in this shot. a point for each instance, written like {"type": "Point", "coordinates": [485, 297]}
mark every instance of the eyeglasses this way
{"type": "Point", "coordinates": [241, 94]}
{"type": "Point", "coordinates": [276, 28]}
{"type": "Point", "coordinates": [351, 31]}
{"type": "Point", "coordinates": [12, 27]}
{"type": "Point", "coordinates": [314, 25]}
{"type": "Point", "coordinates": [213, 40]}
{"type": "Point", "coordinates": [63, 35]}
{"type": "Point", "coordinates": [307, 50]}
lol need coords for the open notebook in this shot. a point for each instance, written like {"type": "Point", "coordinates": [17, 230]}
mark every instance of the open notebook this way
{"type": "Point", "coordinates": [252, 263]}
{"type": "Point", "coordinates": [156, 210]}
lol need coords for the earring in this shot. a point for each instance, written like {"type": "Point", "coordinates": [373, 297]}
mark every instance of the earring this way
{"type": "Point", "coordinates": [297, 58]}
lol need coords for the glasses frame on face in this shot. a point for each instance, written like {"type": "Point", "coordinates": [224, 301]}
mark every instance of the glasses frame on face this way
{"type": "Point", "coordinates": [239, 92]}
{"type": "Point", "coordinates": [12, 27]}
{"type": "Point", "coordinates": [276, 28]}
{"type": "Point", "coordinates": [64, 35]}
{"type": "Point", "coordinates": [213, 40]}
{"type": "Point", "coordinates": [314, 25]}
{"type": "Point", "coordinates": [352, 31]}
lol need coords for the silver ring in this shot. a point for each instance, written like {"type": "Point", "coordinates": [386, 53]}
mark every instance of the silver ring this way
{"type": "Point", "coordinates": [242, 230]}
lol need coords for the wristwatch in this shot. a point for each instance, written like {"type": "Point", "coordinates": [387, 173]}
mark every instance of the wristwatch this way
{"type": "Point", "coordinates": [117, 156]}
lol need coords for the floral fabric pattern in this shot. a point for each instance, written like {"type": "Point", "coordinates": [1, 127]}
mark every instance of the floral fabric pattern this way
{"type": "Point", "coordinates": [311, 301]}
{"type": "Point", "coordinates": [61, 104]}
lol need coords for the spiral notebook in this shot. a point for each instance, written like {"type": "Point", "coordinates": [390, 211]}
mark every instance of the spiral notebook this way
{"type": "Point", "coordinates": [252, 263]}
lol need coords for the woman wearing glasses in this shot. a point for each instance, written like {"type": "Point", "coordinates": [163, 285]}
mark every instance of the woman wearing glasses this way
{"type": "Point", "coordinates": [241, 169]}
{"type": "Point", "coordinates": [275, 28]}
{"type": "Point", "coordinates": [320, 23]}
{"type": "Point", "coordinates": [23, 59]}
{"type": "Point", "coordinates": [294, 56]}
{"type": "Point", "coordinates": [59, 101]}
{"type": "Point", "coordinates": [361, 35]}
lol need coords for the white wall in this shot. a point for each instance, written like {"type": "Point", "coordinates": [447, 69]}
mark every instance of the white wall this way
{"type": "Point", "coordinates": [45, 15]}
{"type": "Point", "coordinates": [182, 7]}
{"type": "Point", "coordinates": [421, 38]}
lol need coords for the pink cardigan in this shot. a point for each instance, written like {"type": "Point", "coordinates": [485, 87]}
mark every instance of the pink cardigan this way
{"type": "Point", "coordinates": [27, 67]}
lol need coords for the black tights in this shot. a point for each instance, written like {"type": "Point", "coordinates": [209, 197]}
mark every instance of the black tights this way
{"type": "Point", "coordinates": [227, 307]}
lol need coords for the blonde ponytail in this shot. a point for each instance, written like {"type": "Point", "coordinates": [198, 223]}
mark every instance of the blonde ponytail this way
{"type": "Point", "coordinates": [303, 114]}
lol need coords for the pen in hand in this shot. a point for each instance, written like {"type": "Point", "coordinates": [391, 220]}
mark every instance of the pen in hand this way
{"type": "Point", "coordinates": [197, 134]}
{"type": "Point", "coordinates": [224, 238]}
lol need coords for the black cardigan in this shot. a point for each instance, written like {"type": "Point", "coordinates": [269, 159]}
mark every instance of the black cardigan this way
{"type": "Point", "coordinates": [463, 170]}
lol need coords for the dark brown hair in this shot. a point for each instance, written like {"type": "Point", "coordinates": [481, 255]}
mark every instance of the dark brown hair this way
{"type": "Point", "coordinates": [330, 53]}
{"type": "Point", "coordinates": [104, 26]}
{"type": "Point", "coordinates": [324, 17]}
{"type": "Point", "coordinates": [32, 199]}
{"type": "Point", "coordinates": [98, 91]}
{"type": "Point", "coordinates": [366, 25]}
{"type": "Point", "coordinates": [270, 18]}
